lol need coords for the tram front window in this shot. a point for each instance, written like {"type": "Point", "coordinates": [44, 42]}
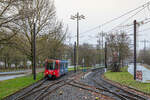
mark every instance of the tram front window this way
{"type": "Point", "coordinates": [50, 66]}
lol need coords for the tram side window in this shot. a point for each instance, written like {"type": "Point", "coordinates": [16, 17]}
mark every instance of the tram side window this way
{"type": "Point", "coordinates": [66, 65]}
{"type": "Point", "coordinates": [63, 65]}
{"type": "Point", "coordinates": [60, 65]}
{"type": "Point", "coordinates": [56, 65]}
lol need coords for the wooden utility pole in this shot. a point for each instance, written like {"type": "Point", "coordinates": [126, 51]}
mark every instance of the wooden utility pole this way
{"type": "Point", "coordinates": [74, 56]}
{"type": "Point", "coordinates": [102, 52]}
{"type": "Point", "coordinates": [105, 54]}
{"type": "Point", "coordinates": [135, 49]}
{"type": "Point", "coordinates": [99, 50]}
{"type": "Point", "coordinates": [34, 53]}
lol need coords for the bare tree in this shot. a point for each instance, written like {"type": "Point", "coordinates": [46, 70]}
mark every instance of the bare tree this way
{"type": "Point", "coordinates": [100, 48]}
{"type": "Point", "coordinates": [53, 44]}
{"type": "Point", "coordinates": [41, 12]}
{"type": "Point", "coordinates": [88, 53]}
{"type": "Point", "coordinates": [119, 46]}
{"type": "Point", "coordinates": [8, 15]}
{"type": "Point", "coordinates": [144, 57]}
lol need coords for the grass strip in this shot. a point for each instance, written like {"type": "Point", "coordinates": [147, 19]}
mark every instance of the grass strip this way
{"type": "Point", "coordinates": [8, 87]}
{"type": "Point", "coordinates": [71, 69]}
{"type": "Point", "coordinates": [125, 78]}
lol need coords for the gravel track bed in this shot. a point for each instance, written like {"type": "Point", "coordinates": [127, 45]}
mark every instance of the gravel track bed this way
{"type": "Point", "coordinates": [126, 95]}
{"type": "Point", "coordinates": [73, 86]}
{"type": "Point", "coordinates": [24, 90]}
{"type": "Point", "coordinates": [95, 79]}
{"type": "Point", "coordinates": [35, 86]}
{"type": "Point", "coordinates": [73, 93]}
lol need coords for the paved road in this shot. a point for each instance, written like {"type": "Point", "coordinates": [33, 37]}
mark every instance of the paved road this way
{"type": "Point", "coordinates": [15, 74]}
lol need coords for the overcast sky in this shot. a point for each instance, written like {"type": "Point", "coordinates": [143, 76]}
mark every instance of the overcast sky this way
{"type": "Point", "coordinates": [96, 12]}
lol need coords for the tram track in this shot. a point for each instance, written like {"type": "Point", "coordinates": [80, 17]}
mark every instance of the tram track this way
{"type": "Point", "coordinates": [37, 90]}
{"type": "Point", "coordinates": [30, 90]}
{"type": "Point", "coordinates": [96, 89]}
{"type": "Point", "coordinates": [51, 88]}
{"type": "Point", "coordinates": [28, 94]}
{"type": "Point", "coordinates": [116, 91]}
{"type": "Point", "coordinates": [99, 86]}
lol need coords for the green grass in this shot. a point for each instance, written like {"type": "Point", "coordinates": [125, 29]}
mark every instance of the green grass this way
{"type": "Point", "coordinates": [8, 87]}
{"type": "Point", "coordinates": [71, 69]}
{"type": "Point", "coordinates": [124, 69]}
{"type": "Point", "coordinates": [126, 79]}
